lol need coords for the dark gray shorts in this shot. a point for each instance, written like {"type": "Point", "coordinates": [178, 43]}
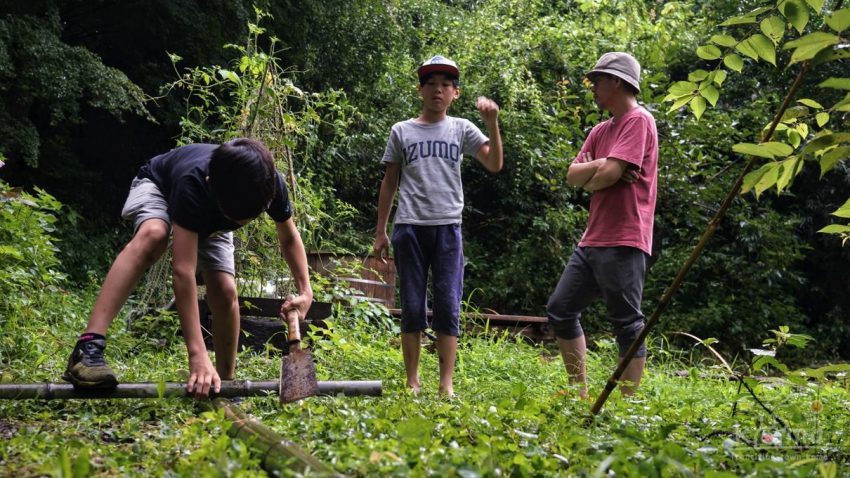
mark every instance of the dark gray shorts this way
{"type": "Point", "coordinates": [614, 273]}
{"type": "Point", "coordinates": [145, 201]}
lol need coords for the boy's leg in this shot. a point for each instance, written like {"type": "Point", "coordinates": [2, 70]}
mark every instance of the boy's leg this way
{"type": "Point", "coordinates": [224, 305]}
{"type": "Point", "coordinates": [447, 269]}
{"type": "Point", "coordinates": [575, 290]}
{"type": "Point", "coordinates": [447, 353]}
{"type": "Point", "coordinates": [412, 267]}
{"type": "Point", "coordinates": [410, 347]}
{"type": "Point", "coordinates": [86, 365]}
{"type": "Point", "coordinates": [215, 258]}
{"type": "Point", "coordinates": [143, 250]}
{"type": "Point", "coordinates": [621, 272]}
{"type": "Point", "coordinates": [148, 209]}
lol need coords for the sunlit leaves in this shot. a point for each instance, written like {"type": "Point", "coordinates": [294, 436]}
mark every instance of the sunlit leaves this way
{"type": "Point", "coordinates": [698, 106]}
{"type": "Point", "coordinates": [773, 27]}
{"type": "Point", "coordinates": [822, 118]}
{"type": "Point", "coordinates": [778, 174]}
{"type": "Point", "coordinates": [839, 20]}
{"type": "Point", "coordinates": [229, 75]}
{"type": "Point", "coordinates": [808, 46]}
{"type": "Point", "coordinates": [767, 150]}
{"type": "Point", "coordinates": [796, 13]}
{"type": "Point", "coordinates": [710, 93]}
{"type": "Point", "coordinates": [724, 40]}
{"type": "Point", "coordinates": [708, 52]}
{"type": "Point", "coordinates": [734, 62]}
{"type": "Point", "coordinates": [816, 4]}
{"type": "Point", "coordinates": [811, 103]}
{"type": "Point", "coordinates": [843, 211]}
{"type": "Point", "coordinates": [745, 19]}
{"type": "Point", "coordinates": [831, 157]}
{"type": "Point", "coordinates": [747, 48]}
{"type": "Point", "coordinates": [765, 47]}
{"type": "Point", "coordinates": [836, 83]}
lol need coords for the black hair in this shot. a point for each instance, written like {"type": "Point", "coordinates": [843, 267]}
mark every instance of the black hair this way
{"type": "Point", "coordinates": [427, 76]}
{"type": "Point", "coordinates": [242, 178]}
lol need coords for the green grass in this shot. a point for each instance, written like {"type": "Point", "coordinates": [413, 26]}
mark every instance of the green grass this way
{"type": "Point", "coordinates": [514, 414]}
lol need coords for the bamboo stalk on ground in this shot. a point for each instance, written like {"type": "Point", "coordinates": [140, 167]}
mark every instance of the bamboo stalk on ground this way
{"type": "Point", "coordinates": [229, 389]}
{"type": "Point", "coordinates": [279, 456]}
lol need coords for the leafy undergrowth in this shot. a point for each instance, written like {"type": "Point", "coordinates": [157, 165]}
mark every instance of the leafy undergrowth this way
{"type": "Point", "coordinates": [514, 414]}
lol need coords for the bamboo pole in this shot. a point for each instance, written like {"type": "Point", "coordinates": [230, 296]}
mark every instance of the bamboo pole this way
{"type": "Point", "coordinates": [280, 457]}
{"type": "Point", "coordinates": [229, 389]}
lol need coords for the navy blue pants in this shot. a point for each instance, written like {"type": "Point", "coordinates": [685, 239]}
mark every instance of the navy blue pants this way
{"type": "Point", "coordinates": [416, 250]}
{"type": "Point", "coordinates": [616, 274]}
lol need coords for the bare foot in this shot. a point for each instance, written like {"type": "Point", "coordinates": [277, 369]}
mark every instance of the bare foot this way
{"type": "Point", "coordinates": [447, 392]}
{"type": "Point", "coordinates": [414, 388]}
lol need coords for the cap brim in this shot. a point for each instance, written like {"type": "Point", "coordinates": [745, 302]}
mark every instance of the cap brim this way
{"type": "Point", "coordinates": [447, 69]}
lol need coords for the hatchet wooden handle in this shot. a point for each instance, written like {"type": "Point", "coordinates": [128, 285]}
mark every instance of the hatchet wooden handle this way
{"type": "Point", "coordinates": [293, 326]}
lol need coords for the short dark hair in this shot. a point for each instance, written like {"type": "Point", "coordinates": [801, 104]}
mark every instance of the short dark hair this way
{"type": "Point", "coordinates": [424, 78]}
{"type": "Point", "coordinates": [242, 178]}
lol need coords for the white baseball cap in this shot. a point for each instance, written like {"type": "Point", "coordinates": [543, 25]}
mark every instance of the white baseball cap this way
{"type": "Point", "coordinates": [438, 64]}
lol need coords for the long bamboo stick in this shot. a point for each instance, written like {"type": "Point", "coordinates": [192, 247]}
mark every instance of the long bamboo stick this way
{"type": "Point", "coordinates": [279, 456]}
{"type": "Point", "coordinates": [229, 389]}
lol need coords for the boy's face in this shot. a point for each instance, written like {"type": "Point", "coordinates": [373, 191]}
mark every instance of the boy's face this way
{"type": "Point", "coordinates": [438, 92]}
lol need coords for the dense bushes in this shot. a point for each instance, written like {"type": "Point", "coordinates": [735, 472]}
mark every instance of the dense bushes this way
{"type": "Point", "coordinates": [764, 268]}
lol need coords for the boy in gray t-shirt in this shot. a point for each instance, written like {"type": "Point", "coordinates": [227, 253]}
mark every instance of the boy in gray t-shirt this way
{"type": "Point", "coordinates": [422, 158]}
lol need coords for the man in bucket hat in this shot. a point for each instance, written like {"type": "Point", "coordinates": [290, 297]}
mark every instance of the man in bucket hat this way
{"type": "Point", "coordinates": [618, 164]}
{"type": "Point", "coordinates": [422, 161]}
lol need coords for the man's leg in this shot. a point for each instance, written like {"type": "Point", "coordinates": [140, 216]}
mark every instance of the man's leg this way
{"type": "Point", "coordinates": [573, 352]}
{"type": "Point", "coordinates": [621, 272]}
{"type": "Point", "coordinates": [224, 305]}
{"type": "Point", "coordinates": [575, 290]}
{"type": "Point", "coordinates": [632, 375]}
{"type": "Point", "coordinates": [412, 267]}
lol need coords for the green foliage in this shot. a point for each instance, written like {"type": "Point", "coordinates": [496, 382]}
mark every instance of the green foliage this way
{"type": "Point", "coordinates": [45, 83]}
{"type": "Point", "coordinates": [804, 125]}
{"type": "Point", "coordinates": [28, 250]}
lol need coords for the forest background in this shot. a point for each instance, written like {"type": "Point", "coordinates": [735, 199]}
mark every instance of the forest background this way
{"type": "Point", "coordinates": [90, 90]}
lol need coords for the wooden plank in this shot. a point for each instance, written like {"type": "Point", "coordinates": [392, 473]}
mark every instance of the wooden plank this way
{"type": "Point", "coordinates": [494, 318]}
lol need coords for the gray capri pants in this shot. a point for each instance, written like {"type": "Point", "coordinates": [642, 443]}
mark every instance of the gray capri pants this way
{"type": "Point", "coordinates": [145, 201]}
{"type": "Point", "coordinates": [615, 273]}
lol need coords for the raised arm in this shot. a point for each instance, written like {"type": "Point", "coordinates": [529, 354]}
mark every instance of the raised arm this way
{"type": "Point", "coordinates": [490, 155]}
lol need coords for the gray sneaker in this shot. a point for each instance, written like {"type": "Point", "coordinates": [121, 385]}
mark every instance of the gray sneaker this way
{"type": "Point", "coordinates": [87, 368]}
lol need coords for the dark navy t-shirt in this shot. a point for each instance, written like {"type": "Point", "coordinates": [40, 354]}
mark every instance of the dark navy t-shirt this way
{"type": "Point", "coordinates": [181, 175]}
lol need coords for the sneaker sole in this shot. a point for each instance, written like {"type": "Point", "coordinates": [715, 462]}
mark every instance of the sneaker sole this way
{"type": "Point", "coordinates": [102, 385]}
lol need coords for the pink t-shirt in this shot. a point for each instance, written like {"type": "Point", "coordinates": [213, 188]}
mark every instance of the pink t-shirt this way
{"type": "Point", "coordinates": [623, 214]}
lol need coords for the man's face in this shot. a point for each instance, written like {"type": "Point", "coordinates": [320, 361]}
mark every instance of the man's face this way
{"type": "Point", "coordinates": [438, 92]}
{"type": "Point", "coordinates": [604, 88]}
